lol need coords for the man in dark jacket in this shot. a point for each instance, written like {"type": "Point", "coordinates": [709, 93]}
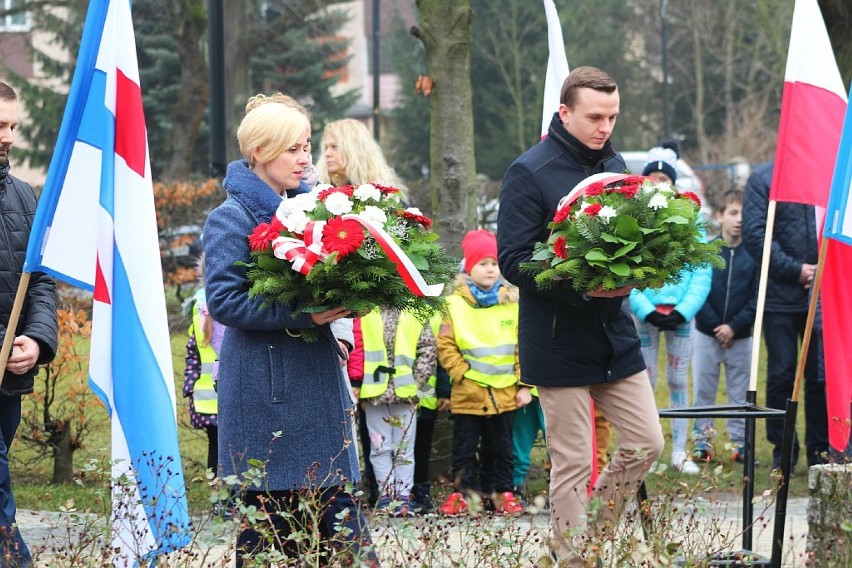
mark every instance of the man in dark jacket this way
{"type": "Point", "coordinates": [36, 331]}
{"type": "Point", "coordinates": [792, 266]}
{"type": "Point", "coordinates": [572, 345]}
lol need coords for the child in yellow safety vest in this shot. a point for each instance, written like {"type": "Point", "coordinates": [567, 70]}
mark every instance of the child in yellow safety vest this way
{"type": "Point", "coordinates": [399, 355]}
{"type": "Point", "coordinates": [477, 345]}
{"type": "Point", "coordinates": [202, 362]}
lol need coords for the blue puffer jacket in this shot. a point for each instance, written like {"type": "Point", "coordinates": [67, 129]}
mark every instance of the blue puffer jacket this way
{"type": "Point", "coordinates": [733, 295]}
{"type": "Point", "coordinates": [687, 295]}
{"type": "Point", "coordinates": [794, 242]}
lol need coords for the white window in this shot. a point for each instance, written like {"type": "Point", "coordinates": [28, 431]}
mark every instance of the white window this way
{"type": "Point", "coordinates": [18, 21]}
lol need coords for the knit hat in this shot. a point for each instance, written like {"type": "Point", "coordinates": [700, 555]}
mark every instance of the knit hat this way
{"type": "Point", "coordinates": [661, 160]}
{"type": "Point", "coordinates": [477, 245]}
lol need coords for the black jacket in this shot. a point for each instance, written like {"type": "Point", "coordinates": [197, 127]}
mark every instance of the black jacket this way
{"type": "Point", "coordinates": [564, 339]}
{"type": "Point", "coordinates": [733, 295]}
{"type": "Point", "coordinates": [38, 314]}
{"type": "Point", "coordinates": [794, 242]}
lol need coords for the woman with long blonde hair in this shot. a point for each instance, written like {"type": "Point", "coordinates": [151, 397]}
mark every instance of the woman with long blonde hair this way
{"type": "Point", "coordinates": [350, 154]}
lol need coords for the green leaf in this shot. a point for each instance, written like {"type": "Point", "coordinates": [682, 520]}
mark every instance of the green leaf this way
{"type": "Point", "coordinates": [628, 228]}
{"type": "Point", "coordinates": [543, 254]}
{"type": "Point", "coordinates": [419, 262]}
{"type": "Point", "coordinates": [612, 238]}
{"type": "Point", "coordinates": [597, 254]}
{"type": "Point", "coordinates": [620, 268]}
{"type": "Point", "coordinates": [677, 220]}
{"type": "Point", "coordinates": [269, 263]}
{"type": "Point", "coordinates": [625, 249]}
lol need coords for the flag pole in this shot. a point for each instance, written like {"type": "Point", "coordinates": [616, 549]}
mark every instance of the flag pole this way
{"type": "Point", "coordinates": [9, 338]}
{"type": "Point", "coordinates": [761, 294]}
{"type": "Point", "coordinates": [792, 410]}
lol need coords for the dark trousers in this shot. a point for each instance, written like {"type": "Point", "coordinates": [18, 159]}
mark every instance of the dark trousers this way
{"type": "Point", "coordinates": [338, 530]}
{"type": "Point", "coordinates": [423, 444]}
{"type": "Point", "coordinates": [212, 448]}
{"type": "Point", "coordinates": [482, 452]}
{"type": "Point", "coordinates": [13, 549]}
{"type": "Point", "coordinates": [368, 480]}
{"type": "Point", "coordinates": [782, 333]}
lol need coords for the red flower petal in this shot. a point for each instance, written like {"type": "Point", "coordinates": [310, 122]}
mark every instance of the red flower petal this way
{"type": "Point", "coordinates": [342, 236]}
{"type": "Point", "coordinates": [593, 209]}
{"type": "Point", "coordinates": [594, 189]}
{"type": "Point", "coordinates": [560, 247]}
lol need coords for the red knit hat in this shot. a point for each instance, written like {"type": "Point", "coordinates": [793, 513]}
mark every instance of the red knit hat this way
{"type": "Point", "coordinates": [477, 245]}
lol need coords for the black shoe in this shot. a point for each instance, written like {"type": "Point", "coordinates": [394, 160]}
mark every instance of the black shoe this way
{"type": "Point", "coordinates": [421, 499]}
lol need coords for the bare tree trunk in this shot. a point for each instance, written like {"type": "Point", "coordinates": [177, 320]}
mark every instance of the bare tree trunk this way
{"type": "Point", "coordinates": [190, 17]}
{"type": "Point", "coordinates": [700, 127]}
{"type": "Point", "coordinates": [63, 453]}
{"type": "Point", "coordinates": [238, 27]}
{"type": "Point", "coordinates": [445, 30]}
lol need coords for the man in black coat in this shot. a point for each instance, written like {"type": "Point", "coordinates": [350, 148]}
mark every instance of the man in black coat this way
{"type": "Point", "coordinates": [573, 346]}
{"type": "Point", "coordinates": [36, 331]}
{"type": "Point", "coordinates": [792, 266]}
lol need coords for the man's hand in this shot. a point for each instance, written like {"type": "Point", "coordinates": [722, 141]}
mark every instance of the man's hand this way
{"type": "Point", "coordinates": [601, 293]}
{"type": "Point", "coordinates": [724, 335]}
{"type": "Point", "coordinates": [444, 404]}
{"type": "Point", "coordinates": [23, 356]}
{"type": "Point", "coordinates": [523, 398]}
{"type": "Point", "coordinates": [345, 349]}
{"type": "Point", "coordinates": [357, 392]}
{"type": "Point", "coordinates": [806, 278]}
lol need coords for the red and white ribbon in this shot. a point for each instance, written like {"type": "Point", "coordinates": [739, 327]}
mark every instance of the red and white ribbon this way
{"type": "Point", "coordinates": [304, 254]}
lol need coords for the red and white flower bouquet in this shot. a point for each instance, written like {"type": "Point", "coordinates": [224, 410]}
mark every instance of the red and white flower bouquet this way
{"type": "Point", "coordinates": [613, 230]}
{"type": "Point", "coordinates": [351, 246]}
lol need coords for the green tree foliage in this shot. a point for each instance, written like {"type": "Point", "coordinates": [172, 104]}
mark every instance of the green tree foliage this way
{"type": "Point", "coordinates": [44, 101]}
{"type": "Point", "coordinates": [303, 60]}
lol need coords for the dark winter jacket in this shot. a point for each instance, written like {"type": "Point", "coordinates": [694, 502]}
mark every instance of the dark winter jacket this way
{"type": "Point", "coordinates": [565, 339]}
{"type": "Point", "coordinates": [794, 242]}
{"type": "Point", "coordinates": [733, 295]}
{"type": "Point", "coordinates": [282, 401]}
{"type": "Point", "coordinates": [38, 314]}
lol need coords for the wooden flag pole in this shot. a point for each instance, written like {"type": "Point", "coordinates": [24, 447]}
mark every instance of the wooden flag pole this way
{"type": "Point", "coordinates": [12, 325]}
{"type": "Point", "coordinates": [809, 323]}
{"type": "Point", "coordinates": [761, 294]}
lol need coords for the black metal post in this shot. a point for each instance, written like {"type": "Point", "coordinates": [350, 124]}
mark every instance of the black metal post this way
{"type": "Point", "coordinates": [664, 4]}
{"type": "Point", "coordinates": [216, 110]}
{"type": "Point", "coordinates": [376, 70]}
{"type": "Point", "coordinates": [748, 474]}
{"type": "Point", "coordinates": [786, 469]}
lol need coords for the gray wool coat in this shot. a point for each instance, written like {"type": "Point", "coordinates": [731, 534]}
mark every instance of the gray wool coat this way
{"type": "Point", "coordinates": [270, 382]}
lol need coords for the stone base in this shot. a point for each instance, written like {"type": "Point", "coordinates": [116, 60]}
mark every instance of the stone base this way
{"type": "Point", "coordinates": [830, 514]}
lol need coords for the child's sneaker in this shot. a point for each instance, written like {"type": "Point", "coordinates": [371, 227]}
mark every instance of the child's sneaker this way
{"type": "Point", "coordinates": [453, 505]}
{"type": "Point", "coordinates": [738, 455]}
{"type": "Point", "coordinates": [703, 452]}
{"type": "Point", "coordinates": [402, 508]}
{"type": "Point", "coordinates": [383, 505]}
{"type": "Point", "coordinates": [508, 505]}
{"type": "Point", "coordinates": [684, 465]}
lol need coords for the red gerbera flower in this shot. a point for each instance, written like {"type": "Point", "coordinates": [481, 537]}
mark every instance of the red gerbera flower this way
{"type": "Point", "coordinates": [386, 189]}
{"type": "Point", "coordinates": [629, 190]}
{"type": "Point", "coordinates": [560, 247]}
{"type": "Point", "coordinates": [425, 221]}
{"type": "Point", "coordinates": [692, 196]}
{"type": "Point", "coordinates": [562, 214]}
{"type": "Point", "coordinates": [342, 236]}
{"type": "Point", "coordinates": [633, 180]}
{"type": "Point", "coordinates": [593, 209]}
{"type": "Point", "coordinates": [264, 234]}
{"type": "Point", "coordinates": [595, 189]}
{"type": "Point", "coordinates": [345, 189]}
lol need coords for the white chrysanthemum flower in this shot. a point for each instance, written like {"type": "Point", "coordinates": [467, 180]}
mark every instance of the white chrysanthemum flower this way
{"type": "Point", "coordinates": [367, 191]}
{"type": "Point", "coordinates": [659, 201]}
{"type": "Point", "coordinates": [296, 222]}
{"type": "Point", "coordinates": [320, 187]}
{"type": "Point", "coordinates": [649, 187]}
{"type": "Point", "coordinates": [414, 211]}
{"type": "Point", "coordinates": [338, 204]}
{"type": "Point", "coordinates": [374, 214]}
{"type": "Point", "coordinates": [581, 210]}
{"type": "Point", "coordinates": [301, 202]}
{"type": "Point", "coordinates": [606, 213]}
{"type": "Point", "coordinates": [665, 187]}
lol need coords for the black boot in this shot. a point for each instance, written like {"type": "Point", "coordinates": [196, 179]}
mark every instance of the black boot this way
{"type": "Point", "coordinates": [421, 498]}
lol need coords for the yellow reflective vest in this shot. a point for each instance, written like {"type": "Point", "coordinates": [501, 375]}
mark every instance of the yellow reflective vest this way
{"type": "Point", "coordinates": [487, 338]}
{"type": "Point", "coordinates": [426, 392]}
{"type": "Point", "coordinates": [204, 397]}
{"type": "Point", "coordinates": [376, 368]}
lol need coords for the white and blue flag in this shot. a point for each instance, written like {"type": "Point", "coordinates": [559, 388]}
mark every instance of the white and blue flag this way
{"type": "Point", "coordinates": [96, 228]}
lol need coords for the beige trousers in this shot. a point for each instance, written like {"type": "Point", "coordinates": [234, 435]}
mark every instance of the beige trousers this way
{"type": "Point", "coordinates": [629, 406]}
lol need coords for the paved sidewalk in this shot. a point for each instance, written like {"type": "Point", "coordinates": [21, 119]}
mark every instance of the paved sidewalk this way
{"type": "Point", "coordinates": [53, 536]}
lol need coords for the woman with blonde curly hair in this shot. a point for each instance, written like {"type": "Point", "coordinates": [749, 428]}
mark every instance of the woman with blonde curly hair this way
{"type": "Point", "coordinates": [351, 155]}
